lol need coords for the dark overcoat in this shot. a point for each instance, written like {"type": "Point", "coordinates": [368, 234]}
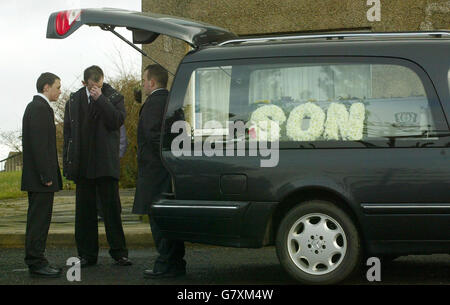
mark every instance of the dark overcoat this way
{"type": "Point", "coordinates": [109, 117]}
{"type": "Point", "coordinates": [40, 158]}
{"type": "Point", "coordinates": [153, 178]}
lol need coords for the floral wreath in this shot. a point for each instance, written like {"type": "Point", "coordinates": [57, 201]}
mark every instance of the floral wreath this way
{"type": "Point", "coordinates": [265, 123]}
{"type": "Point", "coordinates": [294, 123]}
{"type": "Point", "coordinates": [340, 124]}
{"type": "Point", "coordinates": [350, 125]}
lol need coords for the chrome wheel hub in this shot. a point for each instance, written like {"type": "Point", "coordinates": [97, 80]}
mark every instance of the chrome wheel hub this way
{"type": "Point", "coordinates": [317, 244]}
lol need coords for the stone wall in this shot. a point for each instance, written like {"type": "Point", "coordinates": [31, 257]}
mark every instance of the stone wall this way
{"type": "Point", "coordinates": [266, 16]}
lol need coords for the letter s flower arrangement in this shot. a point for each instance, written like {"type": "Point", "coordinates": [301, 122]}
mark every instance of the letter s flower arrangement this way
{"type": "Point", "coordinates": [265, 123]}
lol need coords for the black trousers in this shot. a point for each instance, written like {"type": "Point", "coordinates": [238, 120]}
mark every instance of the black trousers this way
{"type": "Point", "coordinates": [86, 222]}
{"type": "Point", "coordinates": [40, 207]}
{"type": "Point", "coordinates": [99, 205]}
{"type": "Point", "coordinates": [171, 252]}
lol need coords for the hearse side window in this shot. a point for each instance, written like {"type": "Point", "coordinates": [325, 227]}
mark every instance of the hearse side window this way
{"type": "Point", "coordinates": [310, 102]}
{"type": "Point", "coordinates": [207, 100]}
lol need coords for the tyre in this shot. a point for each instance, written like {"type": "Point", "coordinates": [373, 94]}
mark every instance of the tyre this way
{"type": "Point", "coordinates": [318, 243]}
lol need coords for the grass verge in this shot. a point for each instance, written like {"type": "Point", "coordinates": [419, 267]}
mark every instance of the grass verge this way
{"type": "Point", "coordinates": [10, 185]}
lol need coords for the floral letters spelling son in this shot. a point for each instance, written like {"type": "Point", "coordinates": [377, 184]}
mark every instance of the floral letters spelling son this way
{"type": "Point", "coordinates": [338, 124]}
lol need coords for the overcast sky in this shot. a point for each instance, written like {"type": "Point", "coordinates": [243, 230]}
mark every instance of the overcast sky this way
{"type": "Point", "coordinates": [25, 52]}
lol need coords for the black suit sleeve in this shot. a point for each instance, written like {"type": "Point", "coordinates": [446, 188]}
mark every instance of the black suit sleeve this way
{"type": "Point", "coordinates": [152, 116]}
{"type": "Point", "coordinates": [39, 141]}
{"type": "Point", "coordinates": [67, 131]}
{"type": "Point", "coordinates": [112, 111]}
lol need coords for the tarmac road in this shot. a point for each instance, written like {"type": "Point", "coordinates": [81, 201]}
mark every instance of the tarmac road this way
{"type": "Point", "coordinates": [214, 265]}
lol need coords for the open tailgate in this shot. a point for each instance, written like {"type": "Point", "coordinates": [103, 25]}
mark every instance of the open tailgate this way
{"type": "Point", "coordinates": [146, 27]}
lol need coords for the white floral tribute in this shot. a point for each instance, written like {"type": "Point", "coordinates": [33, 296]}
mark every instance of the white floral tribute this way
{"type": "Point", "coordinates": [350, 125]}
{"type": "Point", "coordinates": [265, 123]}
{"type": "Point", "coordinates": [340, 124]}
{"type": "Point", "coordinates": [356, 122]}
{"type": "Point", "coordinates": [294, 123]}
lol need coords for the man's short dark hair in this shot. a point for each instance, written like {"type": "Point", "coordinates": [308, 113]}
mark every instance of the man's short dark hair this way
{"type": "Point", "coordinates": [94, 73]}
{"type": "Point", "coordinates": [158, 73]}
{"type": "Point", "coordinates": [46, 78]}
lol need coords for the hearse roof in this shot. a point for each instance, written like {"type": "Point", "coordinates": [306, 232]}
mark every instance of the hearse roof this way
{"type": "Point", "coordinates": [415, 49]}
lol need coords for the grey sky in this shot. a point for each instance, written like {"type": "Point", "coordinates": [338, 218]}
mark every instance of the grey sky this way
{"type": "Point", "coordinates": [25, 52]}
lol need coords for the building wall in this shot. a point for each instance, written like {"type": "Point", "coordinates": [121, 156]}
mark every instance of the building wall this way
{"type": "Point", "coordinates": [268, 16]}
{"type": "Point", "coordinates": [14, 162]}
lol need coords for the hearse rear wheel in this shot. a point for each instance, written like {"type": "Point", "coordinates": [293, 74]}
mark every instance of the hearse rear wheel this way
{"type": "Point", "coordinates": [317, 243]}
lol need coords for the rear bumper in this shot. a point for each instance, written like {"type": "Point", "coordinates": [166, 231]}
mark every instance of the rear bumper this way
{"type": "Point", "coordinates": [223, 223]}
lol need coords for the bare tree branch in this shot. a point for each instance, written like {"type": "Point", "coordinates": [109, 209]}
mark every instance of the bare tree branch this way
{"type": "Point", "coordinates": [12, 139]}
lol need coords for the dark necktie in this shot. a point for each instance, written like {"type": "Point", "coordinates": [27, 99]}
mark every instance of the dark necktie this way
{"type": "Point", "coordinates": [91, 108]}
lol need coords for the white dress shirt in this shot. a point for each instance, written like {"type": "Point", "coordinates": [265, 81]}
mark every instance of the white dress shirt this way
{"type": "Point", "coordinates": [45, 98]}
{"type": "Point", "coordinates": [88, 95]}
{"type": "Point", "coordinates": [157, 90]}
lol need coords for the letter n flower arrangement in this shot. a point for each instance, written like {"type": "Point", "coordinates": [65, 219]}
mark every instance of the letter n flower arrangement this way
{"type": "Point", "coordinates": [350, 125]}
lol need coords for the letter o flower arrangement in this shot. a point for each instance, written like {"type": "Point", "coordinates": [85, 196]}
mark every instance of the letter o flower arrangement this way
{"type": "Point", "coordinates": [294, 123]}
{"type": "Point", "coordinates": [266, 121]}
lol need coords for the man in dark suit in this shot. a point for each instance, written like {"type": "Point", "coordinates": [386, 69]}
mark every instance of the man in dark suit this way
{"type": "Point", "coordinates": [153, 178]}
{"type": "Point", "coordinates": [122, 150]}
{"type": "Point", "coordinates": [41, 176]}
{"type": "Point", "coordinates": [92, 120]}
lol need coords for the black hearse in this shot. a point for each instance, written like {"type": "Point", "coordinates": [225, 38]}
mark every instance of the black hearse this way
{"type": "Point", "coordinates": [332, 146]}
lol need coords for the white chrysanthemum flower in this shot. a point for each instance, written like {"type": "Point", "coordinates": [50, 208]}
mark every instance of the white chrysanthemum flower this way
{"type": "Point", "coordinates": [294, 123]}
{"type": "Point", "coordinates": [266, 121]}
{"type": "Point", "coordinates": [350, 126]}
{"type": "Point", "coordinates": [337, 117]}
{"type": "Point", "coordinates": [356, 122]}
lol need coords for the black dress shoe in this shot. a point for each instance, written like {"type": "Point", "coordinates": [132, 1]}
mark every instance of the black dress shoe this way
{"type": "Point", "coordinates": [123, 261]}
{"type": "Point", "coordinates": [46, 272]}
{"type": "Point", "coordinates": [84, 262]}
{"type": "Point", "coordinates": [56, 268]}
{"type": "Point", "coordinates": [150, 274]}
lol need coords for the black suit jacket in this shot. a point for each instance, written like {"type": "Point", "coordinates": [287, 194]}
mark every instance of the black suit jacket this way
{"type": "Point", "coordinates": [153, 178]}
{"type": "Point", "coordinates": [104, 149]}
{"type": "Point", "coordinates": [40, 159]}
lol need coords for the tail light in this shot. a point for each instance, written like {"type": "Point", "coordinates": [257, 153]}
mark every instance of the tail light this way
{"type": "Point", "coordinates": [65, 19]}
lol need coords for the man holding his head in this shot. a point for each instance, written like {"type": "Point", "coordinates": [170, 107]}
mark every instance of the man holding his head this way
{"type": "Point", "coordinates": [153, 178]}
{"type": "Point", "coordinates": [41, 176]}
{"type": "Point", "coordinates": [92, 120]}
